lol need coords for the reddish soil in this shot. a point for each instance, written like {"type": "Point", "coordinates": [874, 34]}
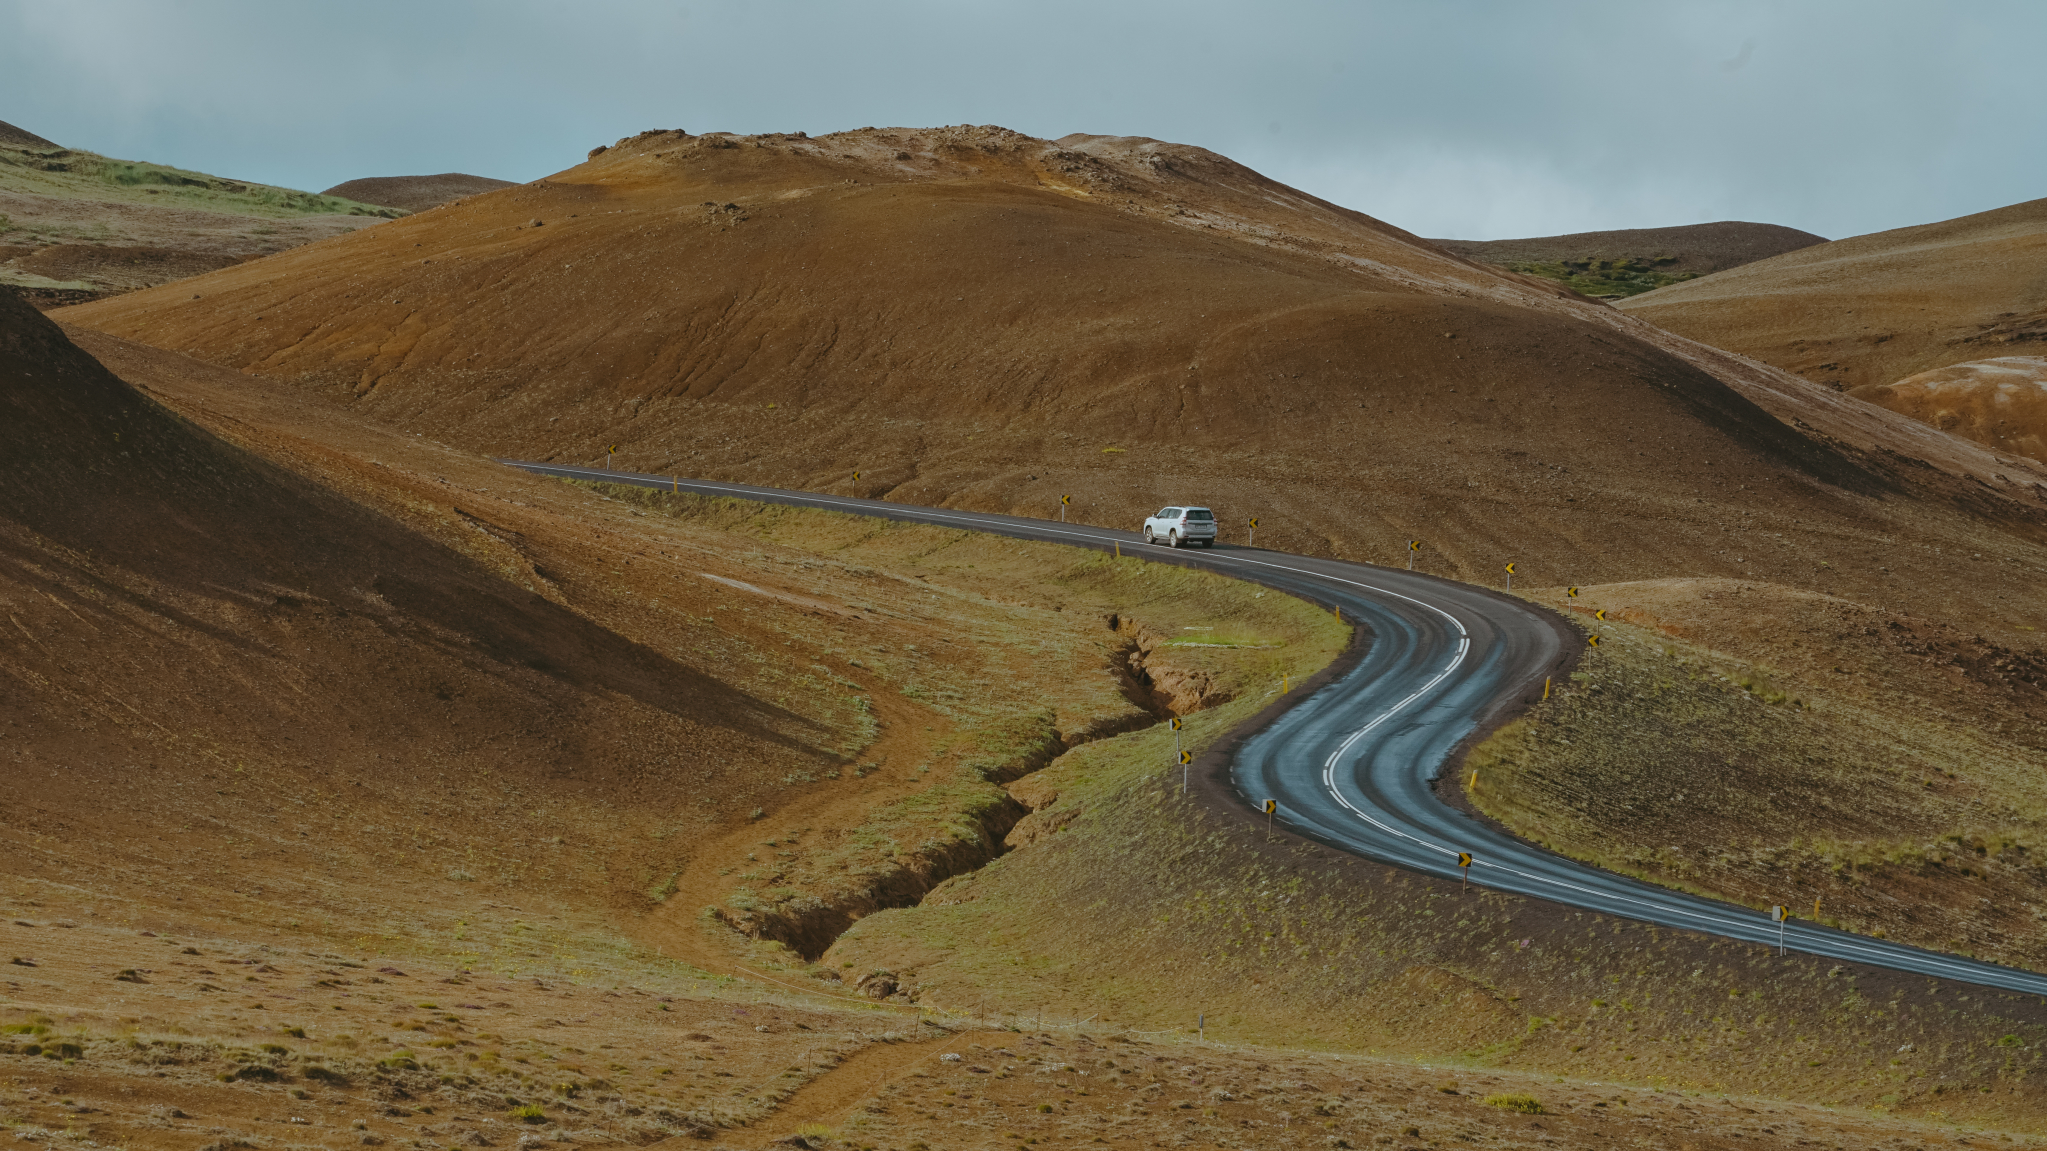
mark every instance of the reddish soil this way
{"type": "Point", "coordinates": [2001, 402]}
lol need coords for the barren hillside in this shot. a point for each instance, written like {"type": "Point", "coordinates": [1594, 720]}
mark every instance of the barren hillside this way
{"type": "Point", "coordinates": [1874, 309]}
{"type": "Point", "coordinates": [386, 787]}
{"type": "Point", "coordinates": [415, 193]}
{"type": "Point", "coordinates": [2000, 402]}
{"type": "Point", "coordinates": [969, 316]}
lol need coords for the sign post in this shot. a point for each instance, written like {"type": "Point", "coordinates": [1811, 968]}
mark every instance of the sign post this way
{"type": "Point", "coordinates": [1178, 756]}
{"type": "Point", "coordinates": [1510, 577]}
{"type": "Point", "coordinates": [1063, 501]}
{"type": "Point", "coordinates": [1780, 913]}
{"type": "Point", "coordinates": [1186, 757]}
{"type": "Point", "coordinates": [1464, 866]}
{"type": "Point", "coordinates": [610, 452]}
{"type": "Point", "coordinates": [1271, 805]}
{"type": "Point", "coordinates": [1413, 546]}
{"type": "Point", "coordinates": [1253, 533]}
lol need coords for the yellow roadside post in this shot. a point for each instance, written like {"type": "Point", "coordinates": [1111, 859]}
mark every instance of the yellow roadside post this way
{"type": "Point", "coordinates": [1063, 501]}
{"type": "Point", "coordinates": [1510, 577]}
{"type": "Point", "coordinates": [1464, 867]}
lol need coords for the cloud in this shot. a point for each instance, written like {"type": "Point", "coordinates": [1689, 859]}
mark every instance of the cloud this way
{"type": "Point", "coordinates": [1455, 118]}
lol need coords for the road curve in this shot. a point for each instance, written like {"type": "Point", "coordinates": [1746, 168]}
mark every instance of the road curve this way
{"type": "Point", "coordinates": [1351, 763]}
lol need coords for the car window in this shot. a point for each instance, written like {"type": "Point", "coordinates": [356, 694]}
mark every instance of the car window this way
{"type": "Point", "coordinates": [1161, 513]}
{"type": "Point", "coordinates": [1199, 514]}
{"type": "Point", "coordinates": [1170, 514]}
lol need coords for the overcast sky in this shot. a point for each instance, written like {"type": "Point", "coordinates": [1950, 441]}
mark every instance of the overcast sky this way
{"type": "Point", "coordinates": [1451, 119]}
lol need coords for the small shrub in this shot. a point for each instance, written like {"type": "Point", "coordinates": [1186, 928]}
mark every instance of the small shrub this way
{"type": "Point", "coordinates": [328, 1075]}
{"type": "Point", "coordinates": [63, 1051]}
{"type": "Point", "coordinates": [399, 1061]}
{"type": "Point", "coordinates": [529, 1113]}
{"type": "Point", "coordinates": [254, 1072]}
{"type": "Point", "coordinates": [1525, 1104]}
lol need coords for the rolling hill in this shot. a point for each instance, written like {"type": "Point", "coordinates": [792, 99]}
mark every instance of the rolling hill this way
{"type": "Point", "coordinates": [1872, 310]}
{"type": "Point", "coordinates": [971, 316]}
{"type": "Point", "coordinates": [415, 193]}
{"type": "Point", "coordinates": [76, 225]}
{"type": "Point", "coordinates": [1630, 261]}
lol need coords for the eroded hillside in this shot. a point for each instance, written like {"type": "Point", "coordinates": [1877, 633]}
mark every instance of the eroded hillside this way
{"type": "Point", "coordinates": [971, 317]}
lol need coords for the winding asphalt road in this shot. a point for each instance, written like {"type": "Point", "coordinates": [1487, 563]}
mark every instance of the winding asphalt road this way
{"type": "Point", "coordinates": [1351, 764]}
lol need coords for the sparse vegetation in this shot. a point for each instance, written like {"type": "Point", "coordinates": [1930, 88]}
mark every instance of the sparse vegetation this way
{"type": "Point", "coordinates": [1710, 771]}
{"type": "Point", "coordinates": [74, 174]}
{"type": "Point", "coordinates": [1606, 279]}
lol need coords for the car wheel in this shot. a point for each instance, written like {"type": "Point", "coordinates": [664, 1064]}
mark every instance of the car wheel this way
{"type": "Point", "coordinates": [1172, 539]}
{"type": "Point", "coordinates": [1148, 537]}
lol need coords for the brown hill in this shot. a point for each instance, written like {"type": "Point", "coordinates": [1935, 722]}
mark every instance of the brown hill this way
{"type": "Point", "coordinates": [415, 193]}
{"type": "Point", "coordinates": [1694, 248]}
{"type": "Point", "coordinates": [13, 137]}
{"type": "Point", "coordinates": [969, 316]}
{"type": "Point", "coordinates": [2001, 402]}
{"type": "Point", "coordinates": [201, 638]}
{"type": "Point", "coordinates": [1877, 308]}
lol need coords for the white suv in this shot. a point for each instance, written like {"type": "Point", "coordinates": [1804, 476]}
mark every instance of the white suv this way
{"type": "Point", "coordinates": [1176, 526]}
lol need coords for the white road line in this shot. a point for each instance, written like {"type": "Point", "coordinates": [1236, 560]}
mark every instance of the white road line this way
{"type": "Point", "coordinates": [1839, 943]}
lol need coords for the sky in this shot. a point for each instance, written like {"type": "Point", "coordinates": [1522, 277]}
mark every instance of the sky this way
{"type": "Point", "coordinates": [1457, 119]}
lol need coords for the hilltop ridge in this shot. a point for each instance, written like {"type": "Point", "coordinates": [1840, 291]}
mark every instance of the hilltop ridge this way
{"type": "Point", "coordinates": [1871, 310]}
{"type": "Point", "coordinates": [975, 317]}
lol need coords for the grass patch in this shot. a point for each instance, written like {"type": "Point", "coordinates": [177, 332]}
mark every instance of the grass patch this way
{"type": "Point", "coordinates": [68, 174]}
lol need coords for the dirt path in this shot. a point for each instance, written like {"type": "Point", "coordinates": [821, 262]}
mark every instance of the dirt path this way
{"type": "Point", "coordinates": [830, 1098]}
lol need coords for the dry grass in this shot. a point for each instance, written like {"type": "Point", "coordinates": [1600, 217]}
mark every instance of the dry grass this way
{"type": "Point", "coordinates": [1764, 746]}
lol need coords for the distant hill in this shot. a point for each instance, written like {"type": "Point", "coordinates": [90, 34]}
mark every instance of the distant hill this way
{"type": "Point", "coordinates": [13, 137]}
{"type": "Point", "coordinates": [1635, 260]}
{"type": "Point", "coordinates": [971, 317]}
{"type": "Point", "coordinates": [76, 225]}
{"type": "Point", "coordinates": [1874, 309]}
{"type": "Point", "coordinates": [415, 193]}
